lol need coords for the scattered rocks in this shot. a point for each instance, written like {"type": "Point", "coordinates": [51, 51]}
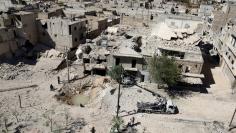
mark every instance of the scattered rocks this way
{"type": "Point", "coordinates": [10, 72]}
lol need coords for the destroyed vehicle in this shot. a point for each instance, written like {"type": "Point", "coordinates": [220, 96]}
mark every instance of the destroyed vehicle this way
{"type": "Point", "coordinates": [161, 107]}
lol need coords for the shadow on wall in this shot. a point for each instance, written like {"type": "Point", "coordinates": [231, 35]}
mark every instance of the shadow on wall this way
{"type": "Point", "coordinates": [27, 54]}
{"type": "Point", "coordinates": [209, 63]}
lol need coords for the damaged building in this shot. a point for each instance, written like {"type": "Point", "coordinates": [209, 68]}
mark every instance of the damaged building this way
{"type": "Point", "coordinates": [62, 32]}
{"type": "Point", "coordinates": [132, 61]}
{"type": "Point", "coordinates": [188, 58]}
{"type": "Point", "coordinates": [26, 27]}
{"type": "Point", "coordinates": [19, 30]}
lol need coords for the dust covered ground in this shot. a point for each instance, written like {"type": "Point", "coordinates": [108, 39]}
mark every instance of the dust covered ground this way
{"type": "Point", "coordinates": [200, 113]}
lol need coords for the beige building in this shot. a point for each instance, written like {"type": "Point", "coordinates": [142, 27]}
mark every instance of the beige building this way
{"type": "Point", "coordinates": [96, 25]}
{"type": "Point", "coordinates": [51, 12]}
{"type": "Point", "coordinates": [62, 32]}
{"type": "Point", "coordinates": [133, 62]}
{"type": "Point", "coordinates": [189, 60]}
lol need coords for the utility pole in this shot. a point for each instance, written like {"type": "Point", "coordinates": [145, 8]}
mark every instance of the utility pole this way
{"type": "Point", "coordinates": [148, 17]}
{"type": "Point", "coordinates": [5, 123]}
{"type": "Point", "coordinates": [118, 101]}
{"type": "Point", "coordinates": [20, 101]}
{"type": "Point", "coordinates": [232, 118]}
{"type": "Point", "coordinates": [67, 65]}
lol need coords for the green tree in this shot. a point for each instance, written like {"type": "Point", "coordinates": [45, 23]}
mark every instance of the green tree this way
{"type": "Point", "coordinates": [164, 70]}
{"type": "Point", "coordinates": [116, 73]}
{"type": "Point", "coordinates": [117, 124]}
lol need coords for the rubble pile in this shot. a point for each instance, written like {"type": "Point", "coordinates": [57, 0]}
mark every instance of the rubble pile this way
{"type": "Point", "coordinates": [52, 53]}
{"type": "Point", "coordinates": [217, 127]}
{"type": "Point", "coordinates": [10, 72]}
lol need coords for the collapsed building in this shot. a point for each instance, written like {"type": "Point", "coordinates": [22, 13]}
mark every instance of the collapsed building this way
{"type": "Point", "coordinates": [188, 58]}
{"type": "Point", "coordinates": [26, 26]}
{"type": "Point", "coordinates": [21, 31]}
{"type": "Point", "coordinates": [178, 38]}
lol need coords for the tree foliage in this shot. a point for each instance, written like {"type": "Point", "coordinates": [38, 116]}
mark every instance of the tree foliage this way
{"type": "Point", "coordinates": [116, 73]}
{"type": "Point", "coordinates": [164, 70]}
{"type": "Point", "coordinates": [117, 125]}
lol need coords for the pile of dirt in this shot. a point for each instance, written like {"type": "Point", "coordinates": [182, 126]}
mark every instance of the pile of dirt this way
{"type": "Point", "coordinates": [19, 71]}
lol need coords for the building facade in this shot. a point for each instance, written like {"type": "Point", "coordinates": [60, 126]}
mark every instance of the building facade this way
{"type": "Point", "coordinates": [62, 32]}
{"type": "Point", "coordinates": [228, 49]}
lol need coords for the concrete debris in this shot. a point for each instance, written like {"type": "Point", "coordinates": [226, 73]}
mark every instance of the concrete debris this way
{"type": "Point", "coordinates": [82, 51]}
{"type": "Point", "coordinates": [163, 31]}
{"type": "Point", "coordinates": [138, 40]}
{"type": "Point", "coordinates": [46, 64]}
{"type": "Point", "coordinates": [86, 49]}
{"type": "Point", "coordinates": [19, 71]}
{"type": "Point", "coordinates": [112, 30]}
{"type": "Point", "coordinates": [102, 41]}
{"type": "Point", "coordinates": [79, 53]}
{"type": "Point", "coordinates": [52, 53]}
